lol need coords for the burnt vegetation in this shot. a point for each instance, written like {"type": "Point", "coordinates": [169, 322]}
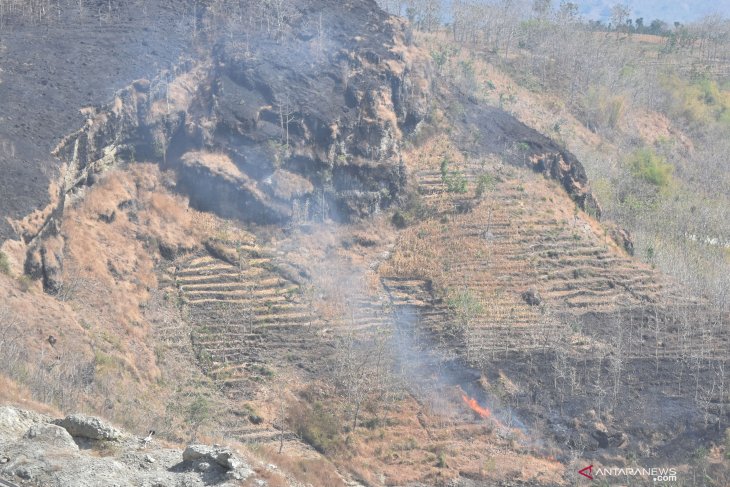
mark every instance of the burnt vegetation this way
{"type": "Point", "coordinates": [370, 246]}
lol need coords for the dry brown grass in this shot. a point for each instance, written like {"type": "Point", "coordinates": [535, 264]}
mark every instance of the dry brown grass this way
{"type": "Point", "coordinates": [16, 395]}
{"type": "Point", "coordinates": [432, 442]}
{"type": "Point", "coordinates": [655, 128]}
{"type": "Point", "coordinates": [178, 94]}
{"type": "Point", "coordinates": [29, 226]}
{"type": "Point", "coordinates": [314, 470]}
{"type": "Point", "coordinates": [218, 163]}
{"type": "Point", "coordinates": [536, 109]}
{"type": "Point", "coordinates": [272, 478]}
{"type": "Point", "coordinates": [15, 251]}
{"type": "Point", "coordinates": [44, 374]}
{"type": "Point", "coordinates": [105, 360]}
{"type": "Point", "coordinates": [288, 185]}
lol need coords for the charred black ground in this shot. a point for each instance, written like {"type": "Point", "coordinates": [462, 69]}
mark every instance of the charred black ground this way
{"type": "Point", "coordinates": [54, 67]}
{"type": "Point", "coordinates": [306, 125]}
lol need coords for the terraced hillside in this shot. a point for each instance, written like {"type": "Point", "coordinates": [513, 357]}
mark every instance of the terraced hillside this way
{"type": "Point", "coordinates": [523, 235]}
{"type": "Point", "coordinates": [242, 314]}
{"type": "Point", "coordinates": [518, 245]}
{"type": "Point", "coordinates": [245, 320]}
{"type": "Point", "coordinates": [252, 314]}
{"type": "Point", "coordinates": [502, 264]}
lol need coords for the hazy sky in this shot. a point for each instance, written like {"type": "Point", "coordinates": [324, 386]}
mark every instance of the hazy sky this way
{"type": "Point", "coordinates": [666, 10]}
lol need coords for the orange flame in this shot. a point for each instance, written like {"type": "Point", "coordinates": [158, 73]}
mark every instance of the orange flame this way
{"type": "Point", "coordinates": [474, 406]}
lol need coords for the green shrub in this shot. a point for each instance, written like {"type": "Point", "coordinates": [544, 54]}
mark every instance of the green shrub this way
{"type": "Point", "coordinates": [444, 168]}
{"type": "Point", "coordinates": [320, 429]}
{"type": "Point", "coordinates": [702, 101]}
{"type": "Point", "coordinates": [651, 167]}
{"type": "Point", "coordinates": [456, 182]}
{"type": "Point", "coordinates": [4, 264]}
{"type": "Point", "coordinates": [441, 460]}
{"type": "Point", "coordinates": [199, 410]}
{"type": "Point", "coordinates": [485, 183]}
{"type": "Point", "coordinates": [25, 282]}
{"type": "Point", "coordinates": [465, 305]}
{"type": "Point", "coordinates": [442, 56]}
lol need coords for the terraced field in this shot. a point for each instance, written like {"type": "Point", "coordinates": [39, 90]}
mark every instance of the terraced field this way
{"type": "Point", "coordinates": [526, 254]}
{"type": "Point", "coordinates": [246, 319]}
{"type": "Point", "coordinates": [241, 315]}
{"type": "Point", "coordinates": [249, 320]}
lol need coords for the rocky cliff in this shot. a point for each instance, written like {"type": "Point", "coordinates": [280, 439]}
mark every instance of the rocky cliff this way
{"type": "Point", "coordinates": [261, 129]}
{"type": "Point", "coordinates": [302, 124]}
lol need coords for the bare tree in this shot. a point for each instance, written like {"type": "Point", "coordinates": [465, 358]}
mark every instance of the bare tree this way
{"type": "Point", "coordinates": [287, 116]}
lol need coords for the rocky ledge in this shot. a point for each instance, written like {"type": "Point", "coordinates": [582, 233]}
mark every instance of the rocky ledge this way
{"type": "Point", "coordinates": [83, 451]}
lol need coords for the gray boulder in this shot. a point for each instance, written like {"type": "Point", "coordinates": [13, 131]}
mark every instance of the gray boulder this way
{"type": "Point", "coordinates": [82, 426]}
{"type": "Point", "coordinates": [213, 454]}
{"type": "Point", "coordinates": [51, 435]}
{"type": "Point", "coordinates": [14, 422]}
{"type": "Point", "coordinates": [532, 297]}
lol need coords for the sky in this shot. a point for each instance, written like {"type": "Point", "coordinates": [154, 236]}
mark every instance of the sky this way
{"type": "Point", "coordinates": [666, 10]}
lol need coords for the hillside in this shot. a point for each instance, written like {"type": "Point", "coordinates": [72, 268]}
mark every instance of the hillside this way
{"type": "Point", "coordinates": [53, 68]}
{"type": "Point", "coordinates": [314, 239]}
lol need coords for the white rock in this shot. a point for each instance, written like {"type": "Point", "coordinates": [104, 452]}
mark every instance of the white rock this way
{"type": "Point", "coordinates": [83, 426]}
{"type": "Point", "coordinates": [52, 435]}
{"type": "Point", "coordinates": [222, 456]}
{"type": "Point", "coordinates": [14, 422]}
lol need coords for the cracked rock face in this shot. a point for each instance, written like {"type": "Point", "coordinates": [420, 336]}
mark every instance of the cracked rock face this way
{"type": "Point", "coordinates": [310, 124]}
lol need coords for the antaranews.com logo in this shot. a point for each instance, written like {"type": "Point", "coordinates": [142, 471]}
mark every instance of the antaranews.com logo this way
{"type": "Point", "coordinates": [654, 473]}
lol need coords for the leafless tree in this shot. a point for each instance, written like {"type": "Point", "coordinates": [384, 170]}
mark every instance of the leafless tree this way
{"type": "Point", "coordinates": [287, 116]}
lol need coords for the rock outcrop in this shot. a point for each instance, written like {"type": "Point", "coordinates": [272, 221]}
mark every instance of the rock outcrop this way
{"type": "Point", "coordinates": [224, 457]}
{"type": "Point", "coordinates": [303, 125]}
{"type": "Point", "coordinates": [621, 236]}
{"type": "Point", "coordinates": [490, 130]}
{"type": "Point", "coordinates": [311, 122]}
{"type": "Point", "coordinates": [50, 70]}
{"type": "Point", "coordinates": [129, 127]}
{"type": "Point", "coordinates": [14, 422]}
{"type": "Point", "coordinates": [37, 451]}
{"type": "Point", "coordinates": [52, 434]}
{"type": "Point", "coordinates": [270, 129]}
{"type": "Point", "coordinates": [82, 426]}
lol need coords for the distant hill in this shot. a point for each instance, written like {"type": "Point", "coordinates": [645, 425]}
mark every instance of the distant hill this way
{"type": "Point", "coordinates": [681, 11]}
